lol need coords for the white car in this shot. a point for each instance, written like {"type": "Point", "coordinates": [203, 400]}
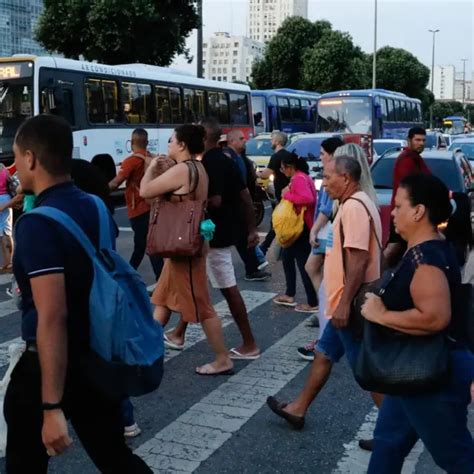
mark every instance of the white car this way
{"type": "Point", "coordinates": [381, 145]}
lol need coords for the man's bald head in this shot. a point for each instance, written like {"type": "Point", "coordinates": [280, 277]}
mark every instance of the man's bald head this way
{"type": "Point", "coordinates": [139, 139]}
{"type": "Point", "coordinates": [236, 140]}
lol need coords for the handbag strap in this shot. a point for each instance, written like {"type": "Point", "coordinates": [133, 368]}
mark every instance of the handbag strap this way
{"type": "Point", "coordinates": [372, 231]}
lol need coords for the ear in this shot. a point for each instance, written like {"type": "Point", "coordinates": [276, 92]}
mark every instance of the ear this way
{"type": "Point", "coordinates": [420, 212]}
{"type": "Point", "coordinates": [31, 160]}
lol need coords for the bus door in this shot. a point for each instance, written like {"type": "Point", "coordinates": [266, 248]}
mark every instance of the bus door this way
{"type": "Point", "coordinates": [260, 116]}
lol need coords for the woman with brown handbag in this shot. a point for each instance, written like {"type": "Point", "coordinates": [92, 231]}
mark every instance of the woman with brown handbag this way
{"type": "Point", "coordinates": [182, 287]}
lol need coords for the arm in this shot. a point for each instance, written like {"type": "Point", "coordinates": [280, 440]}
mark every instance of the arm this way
{"type": "Point", "coordinates": [49, 295]}
{"type": "Point", "coordinates": [249, 214]}
{"type": "Point", "coordinates": [299, 192]}
{"type": "Point", "coordinates": [432, 311]}
{"type": "Point", "coordinates": [14, 201]}
{"type": "Point", "coordinates": [170, 181]}
{"type": "Point", "coordinates": [356, 261]}
{"type": "Point", "coordinates": [117, 181]}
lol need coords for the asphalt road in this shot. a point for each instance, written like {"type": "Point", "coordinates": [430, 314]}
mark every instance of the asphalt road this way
{"type": "Point", "coordinates": [221, 424]}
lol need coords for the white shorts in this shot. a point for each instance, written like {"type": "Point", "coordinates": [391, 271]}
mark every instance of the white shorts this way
{"type": "Point", "coordinates": [220, 268]}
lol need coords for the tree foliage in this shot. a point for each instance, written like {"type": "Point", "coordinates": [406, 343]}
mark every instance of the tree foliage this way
{"type": "Point", "coordinates": [283, 60]}
{"type": "Point", "coordinates": [445, 109]}
{"type": "Point", "coordinates": [398, 70]}
{"type": "Point", "coordinates": [334, 63]}
{"type": "Point", "coordinates": [118, 31]}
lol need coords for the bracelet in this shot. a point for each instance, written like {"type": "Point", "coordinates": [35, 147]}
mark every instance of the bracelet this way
{"type": "Point", "coordinates": [51, 406]}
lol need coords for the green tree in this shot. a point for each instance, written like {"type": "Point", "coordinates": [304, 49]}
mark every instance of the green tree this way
{"type": "Point", "coordinates": [118, 31]}
{"type": "Point", "coordinates": [334, 63]}
{"type": "Point", "coordinates": [283, 59]}
{"type": "Point", "coordinates": [398, 70]}
{"type": "Point", "coordinates": [442, 109]}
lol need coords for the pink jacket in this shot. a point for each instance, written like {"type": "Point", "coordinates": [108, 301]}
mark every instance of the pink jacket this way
{"type": "Point", "coordinates": [302, 193]}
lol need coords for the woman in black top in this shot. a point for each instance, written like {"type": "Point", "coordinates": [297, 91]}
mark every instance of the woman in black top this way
{"type": "Point", "coordinates": [418, 301]}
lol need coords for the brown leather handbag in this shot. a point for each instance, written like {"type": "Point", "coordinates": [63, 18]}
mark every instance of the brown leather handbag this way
{"type": "Point", "coordinates": [174, 228]}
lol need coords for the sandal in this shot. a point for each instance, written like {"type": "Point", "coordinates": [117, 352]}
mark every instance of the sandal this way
{"type": "Point", "coordinates": [208, 369]}
{"type": "Point", "coordinates": [297, 422]}
{"type": "Point", "coordinates": [306, 308]}
{"type": "Point", "coordinates": [284, 300]}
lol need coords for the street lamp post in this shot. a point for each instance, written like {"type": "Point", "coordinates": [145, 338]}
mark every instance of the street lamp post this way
{"type": "Point", "coordinates": [463, 82]}
{"type": "Point", "coordinates": [432, 75]}
{"type": "Point", "coordinates": [374, 62]}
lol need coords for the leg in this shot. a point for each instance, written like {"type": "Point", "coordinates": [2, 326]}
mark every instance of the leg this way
{"type": "Point", "coordinates": [248, 256]}
{"type": "Point", "coordinates": [22, 408]}
{"type": "Point", "coordinates": [157, 265]}
{"type": "Point", "coordinates": [302, 251]}
{"type": "Point", "coordinates": [98, 423]}
{"type": "Point", "coordinates": [162, 315]}
{"type": "Point", "coordinates": [314, 267]}
{"type": "Point", "coordinates": [266, 244]}
{"type": "Point", "coordinates": [394, 438]}
{"type": "Point", "coordinates": [178, 334]}
{"type": "Point", "coordinates": [323, 321]}
{"type": "Point", "coordinates": [212, 327]}
{"type": "Point", "coordinates": [289, 268]}
{"type": "Point", "coordinates": [140, 229]}
{"type": "Point", "coordinates": [239, 313]}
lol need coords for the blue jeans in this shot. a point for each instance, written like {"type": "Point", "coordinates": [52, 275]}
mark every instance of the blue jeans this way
{"type": "Point", "coordinates": [334, 343]}
{"type": "Point", "coordinates": [127, 412]}
{"type": "Point", "coordinates": [439, 419]}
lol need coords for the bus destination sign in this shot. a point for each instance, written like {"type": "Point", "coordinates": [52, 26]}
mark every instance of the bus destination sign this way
{"type": "Point", "coordinates": [15, 70]}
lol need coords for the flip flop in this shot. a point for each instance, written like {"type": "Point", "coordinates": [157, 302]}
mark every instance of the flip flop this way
{"type": "Point", "coordinates": [211, 372]}
{"type": "Point", "coordinates": [297, 422]}
{"type": "Point", "coordinates": [236, 355]}
{"type": "Point", "coordinates": [299, 309]}
{"type": "Point", "coordinates": [284, 303]}
{"type": "Point", "coordinates": [172, 345]}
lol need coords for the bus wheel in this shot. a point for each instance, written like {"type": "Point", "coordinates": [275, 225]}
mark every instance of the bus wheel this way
{"type": "Point", "coordinates": [106, 165]}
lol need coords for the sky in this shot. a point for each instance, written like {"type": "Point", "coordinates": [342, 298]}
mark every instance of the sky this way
{"type": "Point", "coordinates": [401, 24]}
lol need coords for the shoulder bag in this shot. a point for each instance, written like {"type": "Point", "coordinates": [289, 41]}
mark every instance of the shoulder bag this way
{"type": "Point", "coordinates": [174, 228]}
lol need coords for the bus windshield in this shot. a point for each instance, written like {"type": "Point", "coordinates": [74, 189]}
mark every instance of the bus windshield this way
{"type": "Point", "coordinates": [15, 106]}
{"type": "Point", "coordinates": [345, 115]}
{"type": "Point", "coordinates": [453, 127]}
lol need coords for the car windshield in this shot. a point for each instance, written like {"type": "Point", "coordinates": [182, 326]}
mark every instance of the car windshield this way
{"type": "Point", "coordinates": [446, 170]}
{"type": "Point", "coordinates": [431, 140]}
{"type": "Point", "coordinates": [466, 148]}
{"type": "Point", "coordinates": [382, 147]}
{"type": "Point", "coordinates": [259, 147]}
{"type": "Point", "coordinates": [345, 115]}
{"type": "Point", "coordinates": [308, 148]}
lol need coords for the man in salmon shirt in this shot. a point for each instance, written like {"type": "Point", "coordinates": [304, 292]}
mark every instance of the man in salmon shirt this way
{"type": "Point", "coordinates": [132, 171]}
{"type": "Point", "coordinates": [352, 258]}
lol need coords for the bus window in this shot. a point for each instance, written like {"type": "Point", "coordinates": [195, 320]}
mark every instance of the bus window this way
{"type": "Point", "coordinates": [137, 103]}
{"type": "Point", "coordinates": [390, 106]}
{"type": "Point", "coordinates": [296, 113]}
{"type": "Point", "coordinates": [239, 111]}
{"type": "Point", "coordinates": [284, 107]}
{"type": "Point", "coordinates": [175, 102]}
{"type": "Point", "coordinates": [193, 105]}
{"type": "Point", "coordinates": [199, 104]}
{"type": "Point", "coordinates": [418, 112]}
{"type": "Point", "coordinates": [306, 112]}
{"type": "Point", "coordinates": [219, 106]}
{"type": "Point", "coordinates": [397, 111]}
{"type": "Point", "coordinates": [163, 104]}
{"type": "Point", "coordinates": [412, 110]}
{"type": "Point", "coordinates": [111, 108]}
{"type": "Point", "coordinates": [68, 107]}
{"type": "Point", "coordinates": [94, 99]}
{"type": "Point", "coordinates": [384, 105]}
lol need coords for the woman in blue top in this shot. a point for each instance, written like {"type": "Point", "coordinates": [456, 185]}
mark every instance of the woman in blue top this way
{"type": "Point", "coordinates": [418, 302]}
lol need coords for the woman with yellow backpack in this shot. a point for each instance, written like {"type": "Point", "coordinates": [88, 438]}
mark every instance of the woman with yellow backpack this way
{"type": "Point", "coordinates": [292, 221]}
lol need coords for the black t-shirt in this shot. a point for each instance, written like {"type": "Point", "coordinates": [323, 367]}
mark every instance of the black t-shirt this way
{"type": "Point", "coordinates": [281, 181]}
{"type": "Point", "coordinates": [224, 180]}
{"type": "Point", "coordinates": [58, 252]}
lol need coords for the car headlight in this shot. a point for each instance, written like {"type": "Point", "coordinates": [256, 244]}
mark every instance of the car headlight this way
{"type": "Point", "coordinates": [318, 183]}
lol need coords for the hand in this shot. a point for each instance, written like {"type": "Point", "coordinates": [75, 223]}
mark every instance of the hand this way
{"type": "Point", "coordinates": [373, 308]}
{"type": "Point", "coordinates": [253, 239]}
{"type": "Point", "coordinates": [55, 434]}
{"type": "Point", "coordinates": [285, 190]}
{"type": "Point", "coordinates": [340, 318]}
{"type": "Point", "coordinates": [313, 240]}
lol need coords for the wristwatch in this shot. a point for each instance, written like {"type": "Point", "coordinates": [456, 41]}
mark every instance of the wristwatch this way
{"type": "Point", "coordinates": [51, 406]}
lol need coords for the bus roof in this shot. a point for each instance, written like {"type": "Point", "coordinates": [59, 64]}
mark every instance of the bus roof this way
{"type": "Point", "coordinates": [455, 118]}
{"type": "Point", "coordinates": [286, 93]}
{"type": "Point", "coordinates": [368, 93]}
{"type": "Point", "coordinates": [135, 71]}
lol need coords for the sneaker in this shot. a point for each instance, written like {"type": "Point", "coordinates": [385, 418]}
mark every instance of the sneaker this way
{"type": "Point", "coordinates": [307, 352]}
{"type": "Point", "coordinates": [131, 431]}
{"type": "Point", "coordinates": [262, 264]}
{"type": "Point", "coordinates": [258, 276]}
{"type": "Point", "coordinates": [313, 321]}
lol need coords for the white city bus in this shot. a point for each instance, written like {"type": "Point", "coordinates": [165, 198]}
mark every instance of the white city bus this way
{"type": "Point", "coordinates": [104, 104]}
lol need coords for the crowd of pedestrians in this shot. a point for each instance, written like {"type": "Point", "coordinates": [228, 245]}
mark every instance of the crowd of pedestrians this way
{"type": "Point", "coordinates": [339, 252]}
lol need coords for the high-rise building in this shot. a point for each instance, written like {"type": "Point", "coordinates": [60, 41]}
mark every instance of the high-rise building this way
{"type": "Point", "coordinates": [229, 58]}
{"type": "Point", "coordinates": [444, 79]}
{"type": "Point", "coordinates": [462, 86]}
{"type": "Point", "coordinates": [18, 20]}
{"type": "Point", "coordinates": [266, 16]}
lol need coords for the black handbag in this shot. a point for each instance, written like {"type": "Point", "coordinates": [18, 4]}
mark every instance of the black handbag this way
{"type": "Point", "coordinates": [356, 320]}
{"type": "Point", "coordinates": [396, 363]}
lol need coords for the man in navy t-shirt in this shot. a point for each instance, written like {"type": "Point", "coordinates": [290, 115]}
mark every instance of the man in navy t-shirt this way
{"type": "Point", "coordinates": [55, 276]}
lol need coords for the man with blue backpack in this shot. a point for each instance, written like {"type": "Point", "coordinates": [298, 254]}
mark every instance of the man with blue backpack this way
{"type": "Point", "coordinates": [86, 317]}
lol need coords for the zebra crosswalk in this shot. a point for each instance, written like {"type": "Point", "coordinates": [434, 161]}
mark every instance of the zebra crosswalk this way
{"type": "Point", "coordinates": [220, 414]}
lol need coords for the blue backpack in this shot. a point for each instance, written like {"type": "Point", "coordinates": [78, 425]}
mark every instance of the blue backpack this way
{"type": "Point", "coordinates": [126, 356]}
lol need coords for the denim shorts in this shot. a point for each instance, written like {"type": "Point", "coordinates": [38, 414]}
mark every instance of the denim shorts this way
{"type": "Point", "coordinates": [321, 249]}
{"type": "Point", "coordinates": [334, 343]}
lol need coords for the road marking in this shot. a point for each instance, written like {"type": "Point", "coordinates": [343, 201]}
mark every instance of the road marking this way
{"type": "Point", "coordinates": [356, 460]}
{"type": "Point", "coordinates": [268, 206]}
{"type": "Point", "coordinates": [4, 357]}
{"type": "Point", "coordinates": [125, 229]}
{"type": "Point", "coordinates": [5, 279]}
{"type": "Point", "coordinates": [195, 435]}
{"type": "Point", "coordinates": [120, 208]}
{"type": "Point", "coordinates": [262, 234]}
{"type": "Point", "coordinates": [7, 307]}
{"type": "Point", "coordinates": [195, 334]}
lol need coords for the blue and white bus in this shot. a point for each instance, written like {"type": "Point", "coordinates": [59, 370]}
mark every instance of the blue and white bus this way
{"type": "Point", "coordinates": [287, 110]}
{"type": "Point", "coordinates": [364, 115]}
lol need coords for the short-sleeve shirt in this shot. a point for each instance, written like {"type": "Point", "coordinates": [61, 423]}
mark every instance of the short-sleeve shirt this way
{"type": "Point", "coordinates": [358, 234]}
{"type": "Point", "coordinates": [280, 180]}
{"type": "Point", "coordinates": [225, 181]}
{"type": "Point", "coordinates": [133, 169]}
{"type": "Point", "coordinates": [324, 204]}
{"type": "Point", "coordinates": [57, 251]}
